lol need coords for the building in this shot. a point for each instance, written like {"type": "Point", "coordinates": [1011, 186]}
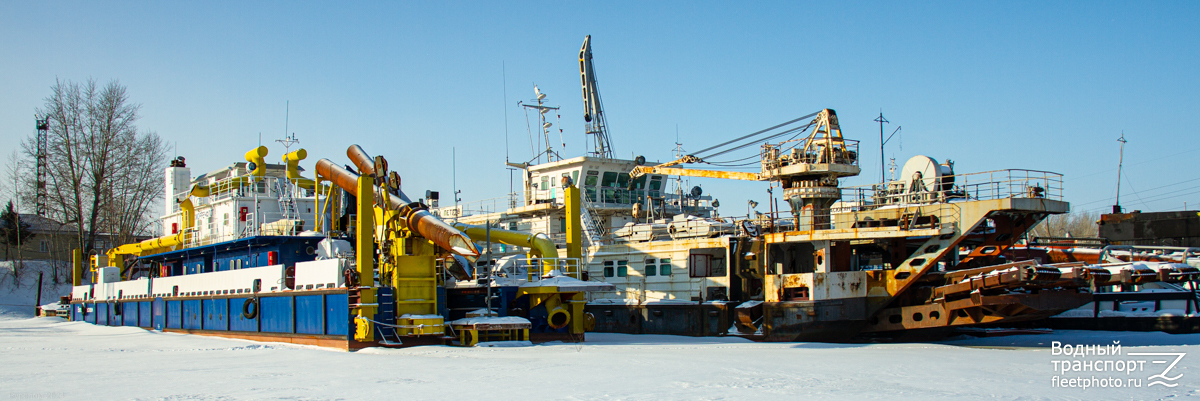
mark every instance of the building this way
{"type": "Point", "coordinates": [54, 240]}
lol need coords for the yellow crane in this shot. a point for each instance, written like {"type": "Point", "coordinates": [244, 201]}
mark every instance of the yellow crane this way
{"type": "Point", "coordinates": [807, 168]}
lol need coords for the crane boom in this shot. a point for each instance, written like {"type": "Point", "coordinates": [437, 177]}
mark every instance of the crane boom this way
{"type": "Point", "coordinates": [669, 169]}
{"type": "Point", "coordinates": [691, 172]}
{"type": "Point", "coordinates": [593, 110]}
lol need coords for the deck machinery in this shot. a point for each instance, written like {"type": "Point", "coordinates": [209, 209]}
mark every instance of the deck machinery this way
{"type": "Point", "coordinates": [344, 261]}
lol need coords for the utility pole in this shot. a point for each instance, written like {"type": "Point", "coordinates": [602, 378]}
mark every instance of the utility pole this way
{"type": "Point", "coordinates": [1120, 164]}
{"type": "Point", "coordinates": [882, 142]}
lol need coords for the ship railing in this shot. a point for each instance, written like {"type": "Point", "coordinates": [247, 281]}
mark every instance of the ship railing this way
{"type": "Point", "coordinates": [536, 268]}
{"type": "Point", "coordinates": [996, 184]}
{"type": "Point", "coordinates": [1127, 253]}
{"type": "Point", "coordinates": [479, 207]}
{"type": "Point", "coordinates": [823, 151]}
{"type": "Point", "coordinates": [609, 197]}
{"type": "Point", "coordinates": [239, 187]}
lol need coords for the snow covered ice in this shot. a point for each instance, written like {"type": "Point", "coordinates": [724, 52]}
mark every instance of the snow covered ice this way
{"type": "Point", "coordinates": [54, 359]}
{"type": "Point", "coordinates": [50, 358]}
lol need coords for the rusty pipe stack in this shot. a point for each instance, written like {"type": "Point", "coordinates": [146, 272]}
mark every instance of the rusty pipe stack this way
{"type": "Point", "coordinates": [417, 220]}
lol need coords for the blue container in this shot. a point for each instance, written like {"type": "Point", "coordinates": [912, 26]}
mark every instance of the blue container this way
{"type": "Point", "coordinates": [237, 317]}
{"type": "Point", "coordinates": [276, 314]}
{"type": "Point", "coordinates": [174, 314]}
{"type": "Point", "coordinates": [337, 314]}
{"type": "Point", "coordinates": [193, 314]}
{"type": "Point", "coordinates": [129, 313]}
{"type": "Point", "coordinates": [102, 314]}
{"type": "Point", "coordinates": [144, 313]}
{"type": "Point", "coordinates": [310, 314]}
{"type": "Point", "coordinates": [160, 313]}
{"type": "Point", "coordinates": [216, 314]}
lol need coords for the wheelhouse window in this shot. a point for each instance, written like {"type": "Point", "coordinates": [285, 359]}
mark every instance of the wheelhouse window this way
{"type": "Point", "coordinates": [608, 190]}
{"type": "Point", "coordinates": [589, 185]}
{"type": "Point", "coordinates": [699, 265]}
{"type": "Point", "coordinates": [619, 268]}
{"type": "Point", "coordinates": [656, 185]}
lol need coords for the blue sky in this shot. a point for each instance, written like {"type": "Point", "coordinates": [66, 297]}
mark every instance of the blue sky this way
{"type": "Point", "coordinates": [991, 85]}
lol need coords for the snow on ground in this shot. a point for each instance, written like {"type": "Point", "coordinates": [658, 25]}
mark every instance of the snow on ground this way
{"type": "Point", "coordinates": [49, 358]}
{"type": "Point", "coordinates": [19, 301]}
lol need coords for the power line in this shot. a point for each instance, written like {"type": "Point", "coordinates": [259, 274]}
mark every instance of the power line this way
{"type": "Point", "coordinates": [1157, 159]}
{"type": "Point", "coordinates": [756, 133]}
{"type": "Point", "coordinates": [1162, 197]}
{"type": "Point", "coordinates": [1151, 189]}
{"type": "Point", "coordinates": [789, 131]}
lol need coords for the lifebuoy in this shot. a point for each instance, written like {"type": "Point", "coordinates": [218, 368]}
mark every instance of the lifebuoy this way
{"type": "Point", "coordinates": [250, 308]}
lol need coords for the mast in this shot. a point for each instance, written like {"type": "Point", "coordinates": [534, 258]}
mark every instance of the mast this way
{"type": "Point", "coordinates": [1120, 164]}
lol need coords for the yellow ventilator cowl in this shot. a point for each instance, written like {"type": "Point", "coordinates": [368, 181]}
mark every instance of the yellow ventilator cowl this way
{"type": "Point", "coordinates": [256, 158]}
{"type": "Point", "coordinates": [292, 160]}
{"type": "Point", "coordinates": [199, 191]}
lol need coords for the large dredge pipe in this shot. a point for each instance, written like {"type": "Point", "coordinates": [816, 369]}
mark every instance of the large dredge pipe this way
{"type": "Point", "coordinates": [421, 221]}
{"type": "Point", "coordinates": [540, 246]}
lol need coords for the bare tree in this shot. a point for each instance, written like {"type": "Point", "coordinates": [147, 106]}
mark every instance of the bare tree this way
{"type": "Point", "coordinates": [128, 212]}
{"type": "Point", "coordinates": [1076, 225]}
{"type": "Point", "coordinates": [12, 178]}
{"type": "Point", "coordinates": [102, 169]}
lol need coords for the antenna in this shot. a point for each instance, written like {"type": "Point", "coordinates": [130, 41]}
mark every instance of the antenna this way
{"type": "Point", "coordinates": [288, 141]}
{"type": "Point", "coordinates": [43, 130]}
{"type": "Point", "coordinates": [454, 175]}
{"type": "Point", "coordinates": [678, 145]}
{"type": "Point", "coordinates": [1120, 164]}
{"type": "Point", "coordinates": [504, 83]}
{"type": "Point", "coordinates": [542, 109]}
{"type": "Point", "coordinates": [881, 121]}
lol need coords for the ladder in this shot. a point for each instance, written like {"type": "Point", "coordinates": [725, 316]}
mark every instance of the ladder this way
{"type": "Point", "coordinates": [591, 227]}
{"type": "Point", "coordinates": [287, 204]}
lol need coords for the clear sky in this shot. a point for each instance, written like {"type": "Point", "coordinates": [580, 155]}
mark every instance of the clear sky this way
{"type": "Point", "coordinates": [991, 85]}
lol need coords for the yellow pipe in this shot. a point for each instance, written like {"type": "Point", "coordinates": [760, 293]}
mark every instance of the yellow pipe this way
{"type": "Point", "coordinates": [163, 243]}
{"type": "Point", "coordinates": [413, 219]}
{"type": "Point", "coordinates": [540, 246]}
{"type": "Point", "coordinates": [257, 157]}
{"type": "Point", "coordinates": [557, 315]}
